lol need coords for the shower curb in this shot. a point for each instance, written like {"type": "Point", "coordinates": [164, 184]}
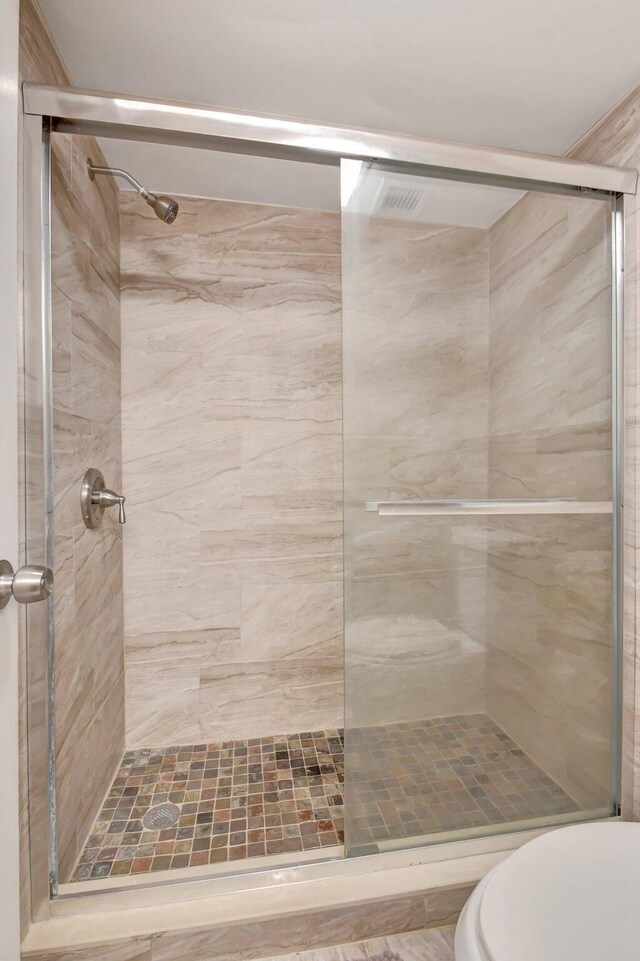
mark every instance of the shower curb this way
{"type": "Point", "coordinates": [291, 916]}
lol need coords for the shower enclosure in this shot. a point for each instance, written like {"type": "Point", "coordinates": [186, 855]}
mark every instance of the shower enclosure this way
{"type": "Point", "coordinates": [452, 345]}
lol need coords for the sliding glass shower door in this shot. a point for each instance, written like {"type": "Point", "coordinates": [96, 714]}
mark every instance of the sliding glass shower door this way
{"type": "Point", "coordinates": [480, 508]}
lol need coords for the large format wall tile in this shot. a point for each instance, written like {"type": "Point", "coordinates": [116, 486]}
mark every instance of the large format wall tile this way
{"type": "Point", "coordinates": [549, 578]}
{"type": "Point", "coordinates": [88, 564]}
{"type": "Point", "coordinates": [231, 410]}
{"type": "Point", "coordinates": [245, 700]}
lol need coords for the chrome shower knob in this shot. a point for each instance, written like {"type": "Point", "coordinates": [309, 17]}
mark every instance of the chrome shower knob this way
{"type": "Point", "coordinates": [30, 583]}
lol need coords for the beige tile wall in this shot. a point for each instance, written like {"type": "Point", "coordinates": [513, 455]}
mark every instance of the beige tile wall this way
{"type": "Point", "coordinates": [89, 713]}
{"type": "Point", "coordinates": [415, 298]}
{"type": "Point", "coordinates": [231, 411]}
{"type": "Point", "coordinates": [89, 650]}
{"type": "Point", "coordinates": [549, 581]}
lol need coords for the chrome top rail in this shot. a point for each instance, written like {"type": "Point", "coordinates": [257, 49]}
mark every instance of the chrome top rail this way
{"type": "Point", "coordinates": [75, 110]}
{"type": "Point", "coordinates": [529, 505]}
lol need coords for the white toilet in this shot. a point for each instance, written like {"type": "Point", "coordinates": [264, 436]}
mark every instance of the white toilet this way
{"type": "Point", "coordinates": [570, 895]}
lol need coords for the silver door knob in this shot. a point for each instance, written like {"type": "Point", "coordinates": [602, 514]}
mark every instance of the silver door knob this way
{"type": "Point", "coordinates": [30, 583]}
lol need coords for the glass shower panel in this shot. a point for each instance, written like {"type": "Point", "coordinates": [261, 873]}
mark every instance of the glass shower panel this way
{"type": "Point", "coordinates": [479, 508]}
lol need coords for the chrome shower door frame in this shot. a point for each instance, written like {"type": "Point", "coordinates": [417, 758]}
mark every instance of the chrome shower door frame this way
{"type": "Point", "coordinates": [67, 110]}
{"type": "Point", "coordinates": [36, 432]}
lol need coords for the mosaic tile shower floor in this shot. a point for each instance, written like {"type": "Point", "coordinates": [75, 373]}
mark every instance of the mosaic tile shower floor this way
{"type": "Point", "coordinates": [283, 794]}
{"type": "Point", "coordinates": [443, 774]}
{"type": "Point", "coordinates": [238, 799]}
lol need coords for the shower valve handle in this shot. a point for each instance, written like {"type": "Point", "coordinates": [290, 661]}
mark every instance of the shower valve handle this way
{"type": "Point", "coordinates": [95, 498]}
{"type": "Point", "coordinates": [108, 498]}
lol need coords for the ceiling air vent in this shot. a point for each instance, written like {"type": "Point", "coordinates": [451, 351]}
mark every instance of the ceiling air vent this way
{"type": "Point", "coordinates": [400, 199]}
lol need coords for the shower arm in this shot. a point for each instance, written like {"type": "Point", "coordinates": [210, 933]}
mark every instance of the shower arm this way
{"type": "Point", "coordinates": [118, 172]}
{"type": "Point", "coordinates": [165, 208]}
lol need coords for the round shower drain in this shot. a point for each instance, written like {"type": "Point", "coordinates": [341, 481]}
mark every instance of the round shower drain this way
{"type": "Point", "coordinates": [161, 816]}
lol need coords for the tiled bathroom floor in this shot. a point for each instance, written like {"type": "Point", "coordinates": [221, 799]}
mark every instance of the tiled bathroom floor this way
{"type": "Point", "coordinates": [432, 944]}
{"type": "Point", "coordinates": [282, 794]}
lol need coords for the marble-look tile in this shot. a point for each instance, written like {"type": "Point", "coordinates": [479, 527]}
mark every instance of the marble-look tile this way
{"type": "Point", "coordinates": [40, 59]}
{"type": "Point", "coordinates": [70, 236]}
{"type": "Point", "coordinates": [218, 334]}
{"type": "Point", "coordinates": [291, 465]}
{"type": "Point", "coordinates": [406, 546]}
{"type": "Point", "coordinates": [95, 373]}
{"type": "Point", "coordinates": [416, 426]}
{"type": "Point", "coordinates": [173, 313]}
{"type": "Point", "coordinates": [136, 949]}
{"type": "Point", "coordinates": [549, 579]}
{"type": "Point", "coordinates": [100, 198]}
{"type": "Point", "coordinates": [267, 268]}
{"type": "Point", "coordinates": [537, 463]}
{"type": "Point", "coordinates": [357, 951]}
{"type": "Point", "coordinates": [266, 228]}
{"type": "Point", "coordinates": [419, 468]}
{"type": "Point", "coordinates": [431, 944]}
{"type": "Point", "coordinates": [167, 590]}
{"type": "Point", "coordinates": [443, 906]}
{"type": "Point", "coordinates": [61, 313]}
{"type": "Point", "coordinates": [244, 535]}
{"type": "Point", "coordinates": [436, 668]}
{"type": "Point", "coordinates": [282, 361]}
{"type": "Point", "coordinates": [331, 927]}
{"type": "Point", "coordinates": [208, 646]}
{"type": "Point", "coordinates": [416, 298]}
{"type": "Point", "coordinates": [294, 569]}
{"type": "Point", "coordinates": [64, 609]}
{"type": "Point", "coordinates": [550, 311]}
{"type": "Point", "coordinates": [161, 389]}
{"type": "Point", "coordinates": [105, 303]}
{"type": "Point", "coordinates": [190, 465]}
{"type": "Point", "coordinates": [301, 942]}
{"type": "Point", "coordinates": [84, 769]}
{"type": "Point", "coordinates": [161, 598]}
{"type": "Point", "coordinates": [88, 666]}
{"type": "Point", "coordinates": [290, 620]}
{"type": "Point", "coordinates": [163, 704]}
{"type": "Point", "coordinates": [97, 567]}
{"type": "Point", "coordinates": [252, 699]}
{"type": "Point", "coordinates": [428, 945]}
{"type": "Point", "coordinates": [72, 439]}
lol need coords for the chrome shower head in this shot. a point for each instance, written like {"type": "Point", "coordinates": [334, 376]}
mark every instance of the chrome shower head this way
{"type": "Point", "coordinates": [165, 208]}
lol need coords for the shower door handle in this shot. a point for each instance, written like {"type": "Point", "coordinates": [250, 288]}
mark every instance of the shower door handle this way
{"type": "Point", "coordinates": [525, 505]}
{"type": "Point", "coordinates": [28, 584]}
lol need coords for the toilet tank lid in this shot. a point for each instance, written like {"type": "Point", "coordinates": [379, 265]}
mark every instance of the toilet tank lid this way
{"type": "Point", "coordinates": [570, 895]}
